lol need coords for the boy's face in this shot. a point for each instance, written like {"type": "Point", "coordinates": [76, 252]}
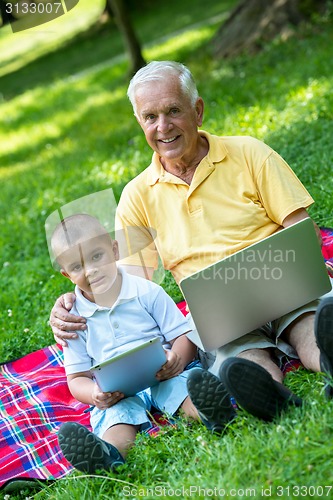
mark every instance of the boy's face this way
{"type": "Point", "coordinates": [91, 265]}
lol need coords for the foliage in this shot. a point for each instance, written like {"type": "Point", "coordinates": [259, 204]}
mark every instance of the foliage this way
{"type": "Point", "coordinates": [67, 130]}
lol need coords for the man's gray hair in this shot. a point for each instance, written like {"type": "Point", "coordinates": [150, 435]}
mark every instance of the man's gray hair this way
{"type": "Point", "coordinates": [158, 70]}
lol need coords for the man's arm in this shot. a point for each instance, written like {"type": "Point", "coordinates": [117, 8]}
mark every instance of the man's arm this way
{"type": "Point", "coordinates": [63, 323]}
{"type": "Point", "coordinates": [297, 216]}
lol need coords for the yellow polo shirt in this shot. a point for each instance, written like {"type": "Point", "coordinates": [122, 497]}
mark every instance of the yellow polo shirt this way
{"type": "Point", "coordinates": [240, 193]}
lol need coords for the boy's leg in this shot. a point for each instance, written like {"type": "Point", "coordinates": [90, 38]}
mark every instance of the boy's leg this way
{"type": "Point", "coordinates": [86, 451]}
{"type": "Point", "coordinates": [189, 409]}
{"type": "Point", "coordinates": [175, 394]}
{"type": "Point", "coordinates": [122, 436]}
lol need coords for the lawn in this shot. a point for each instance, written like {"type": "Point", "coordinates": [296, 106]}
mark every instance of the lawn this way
{"type": "Point", "coordinates": [67, 130]}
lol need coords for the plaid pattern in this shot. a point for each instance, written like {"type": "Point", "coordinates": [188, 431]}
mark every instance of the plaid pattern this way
{"type": "Point", "coordinates": [327, 248]}
{"type": "Point", "coordinates": [35, 401]}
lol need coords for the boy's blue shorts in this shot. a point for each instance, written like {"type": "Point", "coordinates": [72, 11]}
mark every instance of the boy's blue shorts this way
{"type": "Point", "coordinates": [166, 396]}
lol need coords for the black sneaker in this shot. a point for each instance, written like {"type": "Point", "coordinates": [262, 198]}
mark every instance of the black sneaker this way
{"type": "Point", "coordinates": [324, 339]}
{"type": "Point", "coordinates": [85, 451]}
{"type": "Point", "coordinates": [211, 399]}
{"type": "Point", "coordinates": [254, 388]}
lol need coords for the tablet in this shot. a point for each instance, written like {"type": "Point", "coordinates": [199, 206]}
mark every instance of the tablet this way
{"type": "Point", "coordinates": [132, 371]}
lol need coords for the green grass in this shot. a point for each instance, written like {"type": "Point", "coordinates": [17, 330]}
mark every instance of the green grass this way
{"type": "Point", "coordinates": [67, 130]}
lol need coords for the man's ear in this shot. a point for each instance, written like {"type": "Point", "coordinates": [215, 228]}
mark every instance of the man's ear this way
{"type": "Point", "coordinates": [199, 109]}
{"type": "Point", "coordinates": [138, 120]}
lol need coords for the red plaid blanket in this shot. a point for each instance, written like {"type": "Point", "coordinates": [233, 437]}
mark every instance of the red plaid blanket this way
{"type": "Point", "coordinates": [35, 401]}
{"type": "Point", "coordinates": [327, 248]}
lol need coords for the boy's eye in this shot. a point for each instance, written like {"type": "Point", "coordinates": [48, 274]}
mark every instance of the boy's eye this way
{"type": "Point", "coordinates": [76, 268]}
{"type": "Point", "coordinates": [97, 256]}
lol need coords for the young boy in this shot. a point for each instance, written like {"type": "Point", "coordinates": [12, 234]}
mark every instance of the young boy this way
{"type": "Point", "coordinates": [122, 311]}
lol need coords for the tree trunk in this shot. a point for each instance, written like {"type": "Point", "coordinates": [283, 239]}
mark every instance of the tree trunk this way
{"type": "Point", "coordinates": [254, 22]}
{"type": "Point", "coordinates": [131, 41]}
{"type": "Point", "coordinates": [6, 16]}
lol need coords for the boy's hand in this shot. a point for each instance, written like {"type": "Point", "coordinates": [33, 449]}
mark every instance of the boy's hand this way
{"type": "Point", "coordinates": [173, 366]}
{"type": "Point", "coordinates": [62, 323]}
{"type": "Point", "coordinates": [104, 400]}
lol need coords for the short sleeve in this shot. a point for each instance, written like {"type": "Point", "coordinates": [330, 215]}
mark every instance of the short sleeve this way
{"type": "Point", "coordinates": [76, 358]}
{"type": "Point", "coordinates": [171, 322]}
{"type": "Point", "coordinates": [280, 190]}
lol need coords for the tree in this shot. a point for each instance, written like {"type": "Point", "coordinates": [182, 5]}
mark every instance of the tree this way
{"type": "Point", "coordinates": [124, 24]}
{"type": "Point", "coordinates": [6, 16]}
{"type": "Point", "coordinates": [253, 22]}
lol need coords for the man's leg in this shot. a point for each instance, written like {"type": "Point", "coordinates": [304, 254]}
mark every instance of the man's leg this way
{"type": "Point", "coordinates": [311, 335]}
{"type": "Point", "coordinates": [301, 336]}
{"type": "Point", "coordinates": [254, 388]}
{"type": "Point", "coordinates": [263, 358]}
{"type": "Point", "coordinates": [210, 399]}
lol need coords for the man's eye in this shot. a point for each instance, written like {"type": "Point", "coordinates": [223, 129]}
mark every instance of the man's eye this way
{"type": "Point", "coordinates": [150, 118]}
{"type": "Point", "coordinates": [174, 111]}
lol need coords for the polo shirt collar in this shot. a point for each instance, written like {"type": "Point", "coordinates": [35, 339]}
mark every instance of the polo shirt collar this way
{"type": "Point", "coordinates": [216, 153]}
{"type": "Point", "coordinates": [128, 292]}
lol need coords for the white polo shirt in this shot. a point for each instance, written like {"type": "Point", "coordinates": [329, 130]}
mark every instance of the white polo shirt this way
{"type": "Point", "coordinates": [142, 311]}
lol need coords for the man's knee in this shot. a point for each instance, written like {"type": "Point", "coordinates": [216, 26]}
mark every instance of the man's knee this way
{"type": "Point", "coordinates": [256, 355]}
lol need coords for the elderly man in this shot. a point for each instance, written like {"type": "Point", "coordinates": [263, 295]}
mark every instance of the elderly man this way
{"type": "Point", "coordinates": [207, 197]}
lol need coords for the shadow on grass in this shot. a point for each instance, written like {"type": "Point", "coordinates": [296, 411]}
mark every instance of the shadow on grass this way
{"type": "Point", "coordinates": [99, 44]}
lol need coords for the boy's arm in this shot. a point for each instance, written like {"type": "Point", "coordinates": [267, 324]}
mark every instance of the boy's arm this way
{"type": "Point", "coordinates": [183, 351]}
{"type": "Point", "coordinates": [184, 348]}
{"type": "Point", "coordinates": [85, 389]}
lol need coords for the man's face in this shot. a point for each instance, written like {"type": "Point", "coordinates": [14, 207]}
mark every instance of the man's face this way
{"type": "Point", "coordinates": [90, 264]}
{"type": "Point", "coordinates": [169, 121]}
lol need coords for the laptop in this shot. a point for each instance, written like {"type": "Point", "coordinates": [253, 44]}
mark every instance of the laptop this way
{"type": "Point", "coordinates": [255, 285]}
{"type": "Point", "coordinates": [132, 371]}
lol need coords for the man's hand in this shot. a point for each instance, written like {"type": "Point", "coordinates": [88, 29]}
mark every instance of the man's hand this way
{"type": "Point", "coordinates": [64, 324]}
{"type": "Point", "coordinates": [173, 366]}
{"type": "Point", "coordinates": [104, 400]}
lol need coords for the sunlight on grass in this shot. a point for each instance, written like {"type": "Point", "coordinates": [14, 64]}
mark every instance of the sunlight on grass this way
{"type": "Point", "coordinates": [190, 38]}
{"type": "Point", "coordinates": [307, 103]}
{"type": "Point", "coordinates": [48, 124]}
{"type": "Point", "coordinates": [311, 99]}
{"type": "Point", "coordinates": [67, 130]}
{"type": "Point", "coordinates": [17, 49]}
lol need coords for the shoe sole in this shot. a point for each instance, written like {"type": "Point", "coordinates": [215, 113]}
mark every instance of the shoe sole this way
{"type": "Point", "coordinates": [211, 399]}
{"type": "Point", "coordinates": [255, 390]}
{"type": "Point", "coordinates": [324, 339]}
{"type": "Point", "coordinates": [84, 450]}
